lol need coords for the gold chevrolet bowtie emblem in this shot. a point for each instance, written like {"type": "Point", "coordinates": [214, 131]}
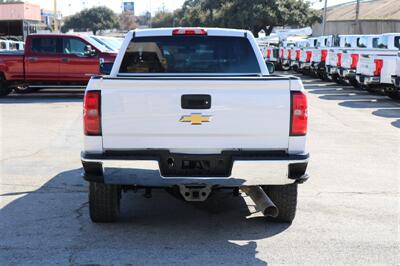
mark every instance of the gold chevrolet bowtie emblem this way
{"type": "Point", "coordinates": [195, 118]}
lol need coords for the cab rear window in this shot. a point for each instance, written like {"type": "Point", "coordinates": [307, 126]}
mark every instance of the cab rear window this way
{"type": "Point", "coordinates": [189, 54]}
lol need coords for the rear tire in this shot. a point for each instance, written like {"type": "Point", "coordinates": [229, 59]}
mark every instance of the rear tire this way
{"type": "Point", "coordinates": [285, 198]}
{"type": "Point", "coordinates": [355, 84]}
{"type": "Point", "coordinates": [4, 88]}
{"type": "Point", "coordinates": [285, 67]}
{"type": "Point", "coordinates": [394, 94]}
{"type": "Point", "coordinates": [104, 202]}
{"type": "Point", "coordinates": [25, 89]}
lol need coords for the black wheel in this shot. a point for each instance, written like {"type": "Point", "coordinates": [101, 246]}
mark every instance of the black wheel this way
{"type": "Point", "coordinates": [104, 202]}
{"type": "Point", "coordinates": [4, 88]}
{"type": "Point", "coordinates": [394, 94]}
{"type": "Point", "coordinates": [355, 83]}
{"type": "Point", "coordinates": [24, 89]}
{"type": "Point", "coordinates": [285, 67]}
{"type": "Point", "coordinates": [325, 76]}
{"type": "Point", "coordinates": [339, 80]}
{"type": "Point", "coordinates": [285, 198]}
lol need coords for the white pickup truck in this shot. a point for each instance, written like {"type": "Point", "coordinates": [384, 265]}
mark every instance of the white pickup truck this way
{"type": "Point", "coordinates": [319, 54]}
{"type": "Point", "coordinates": [375, 69]}
{"type": "Point", "coordinates": [334, 57]}
{"type": "Point", "coordinates": [306, 54]}
{"type": "Point", "coordinates": [364, 45]}
{"type": "Point", "coordinates": [194, 110]}
{"type": "Point", "coordinates": [396, 76]}
{"type": "Point", "coordinates": [296, 52]}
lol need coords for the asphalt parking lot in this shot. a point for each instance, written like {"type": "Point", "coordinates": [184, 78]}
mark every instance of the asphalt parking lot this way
{"type": "Point", "coordinates": [348, 212]}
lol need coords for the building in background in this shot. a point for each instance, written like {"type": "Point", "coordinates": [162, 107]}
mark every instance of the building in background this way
{"type": "Point", "coordinates": [375, 17]}
{"type": "Point", "coordinates": [19, 19]}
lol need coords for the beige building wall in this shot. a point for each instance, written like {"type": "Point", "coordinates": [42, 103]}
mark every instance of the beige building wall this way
{"type": "Point", "coordinates": [20, 11]}
{"type": "Point", "coordinates": [349, 27]}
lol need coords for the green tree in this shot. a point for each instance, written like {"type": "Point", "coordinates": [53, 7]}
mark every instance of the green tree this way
{"type": "Point", "coordinates": [163, 19]}
{"type": "Point", "coordinates": [93, 19]}
{"type": "Point", "coordinates": [127, 21]}
{"type": "Point", "coordinates": [253, 15]}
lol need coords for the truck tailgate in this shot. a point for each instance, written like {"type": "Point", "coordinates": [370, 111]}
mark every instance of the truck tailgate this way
{"type": "Point", "coordinates": [245, 113]}
{"type": "Point", "coordinates": [366, 66]}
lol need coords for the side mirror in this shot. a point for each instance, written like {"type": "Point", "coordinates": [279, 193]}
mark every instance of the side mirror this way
{"type": "Point", "coordinates": [105, 68]}
{"type": "Point", "coordinates": [89, 51]}
{"type": "Point", "coordinates": [271, 67]}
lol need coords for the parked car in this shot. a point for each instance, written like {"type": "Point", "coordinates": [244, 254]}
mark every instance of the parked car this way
{"type": "Point", "coordinates": [51, 60]}
{"type": "Point", "coordinates": [319, 54]}
{"type": "Point", "coordinates": [111, 43]}
{"type": "Point", "coordinates": [396, 76]}
{"type": "Point", "coordinates": [365, 45]}
{"type": "Point", "coordinates": [272, 54]}
{"type": "Point", "coordinates": [295, 54]}
{"type": "Point", "coordinates": [10, 45]}
{"type": "Point", "coordinates": [335, 54]}
{"type": "Point", "coordinates": [284, 55]}
{"type": "Point", "coordinates": [305, 55]}
{"type": "Point", "coordinates": [208, 108]}
{"type": "Point", "coordinates": [375, 70]}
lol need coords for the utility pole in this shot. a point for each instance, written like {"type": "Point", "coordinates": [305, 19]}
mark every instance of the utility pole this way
{"type": "Point", "coordinates": [357, 23]}
{"type": "Point", "coordinates": [55, 16]}
{"type": "Point", "coordinates": [324, 21]}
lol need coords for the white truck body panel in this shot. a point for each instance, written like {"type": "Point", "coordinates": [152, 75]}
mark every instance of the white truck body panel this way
{"type": "Point", "coordinates": [388, 54]}
{"type": "Point", "coordinates": [398, 65]}
{"type": "Point", "coordinates": [143, 112]}
{"type": "Point", "coordinates": [366, 65]}
{"type": "Point", "coordinates": [347, 53]}
{"type": "Point", "coordinates": [133, 115]}
{"type": "Point", "coordinates": [331, 59]}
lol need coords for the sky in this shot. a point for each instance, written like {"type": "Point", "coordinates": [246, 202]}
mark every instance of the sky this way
{"type": "Point", "coordinates": [69, 7]}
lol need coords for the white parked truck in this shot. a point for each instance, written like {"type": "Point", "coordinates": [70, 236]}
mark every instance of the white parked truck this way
{"type": "Point", "coordinates": [335, 54]}
{"type": "Point", "coordinates": [194, 110]}
{"type": "Point", "coordinates": [396, 76]}
{"type": "Point", "coordinates": [375, 69]}
{"type": "Point", "coordinates": [365, 45]}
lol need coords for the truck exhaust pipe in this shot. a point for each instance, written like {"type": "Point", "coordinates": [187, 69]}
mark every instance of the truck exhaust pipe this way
{"type": "Point", "coordinates": [261, 199]}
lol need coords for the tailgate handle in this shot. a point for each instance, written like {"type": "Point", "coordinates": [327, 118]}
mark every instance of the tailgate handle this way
{"type": "Point", "coordinates": [196, 101]}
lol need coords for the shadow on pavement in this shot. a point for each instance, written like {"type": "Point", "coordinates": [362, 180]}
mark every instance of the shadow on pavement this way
{"type": "Point", "coordinates": [44, 96]}
{"type": "Point", "coordinates": [51, 225]}
{"type": "Point", "coordinates": [381, 106]}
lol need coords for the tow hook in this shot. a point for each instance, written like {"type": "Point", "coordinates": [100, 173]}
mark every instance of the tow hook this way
{"type": "Point", "coordinates": [261, 199]}
{"type": "Point", "coordinates": [195, 193]}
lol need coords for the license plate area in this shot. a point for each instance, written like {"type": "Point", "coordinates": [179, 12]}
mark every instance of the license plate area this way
{"type": "Point", "coordinates": [180, 165]}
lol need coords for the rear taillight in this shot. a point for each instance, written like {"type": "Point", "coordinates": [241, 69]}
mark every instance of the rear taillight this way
{"type": "Point", "coordinates": [91, 113]}
{"type": "Point", "coordinates": [324, 53]}
{"type": "Point", "coordinates": [339, 60]}
{"type": "Point", "coordinates": [354, 61]}
{"type": "Point", "coordinates": [378, 67]}
{"type": "Point", "coordinates": [268, 53]}
{"type": "Point", "coordinates": [299, 115]}
{"type": "Point", "coordinates": [289, 54]}
{"type": "Point", "coordinates": [308, 59]}
{"type": "Point", "coordinates": [297, 54]}
{"type": "Point", "coordinates": [194, 31]}
{"type": "Point", "coordinates": [281, 54]}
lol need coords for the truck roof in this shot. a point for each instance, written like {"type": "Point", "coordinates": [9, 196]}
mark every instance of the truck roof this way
{"type": "Point", "coordinates": [210, 31]}
{"type": "Point", "coordinates": [58, 34]}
